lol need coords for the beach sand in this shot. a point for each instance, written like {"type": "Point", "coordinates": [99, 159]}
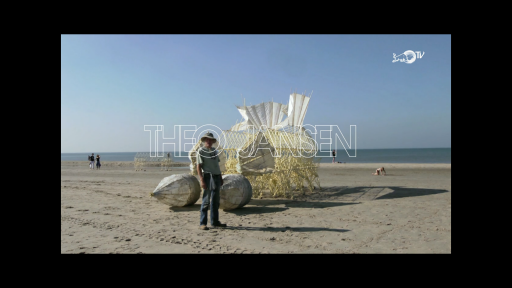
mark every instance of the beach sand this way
{"type": "Point", "coordinates": [406, 211]}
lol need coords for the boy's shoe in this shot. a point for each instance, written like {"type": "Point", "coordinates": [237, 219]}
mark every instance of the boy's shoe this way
{"type": "Point", "coordinates": [219, 225]}
{"type": "Point", "coordinates": [203, 227]}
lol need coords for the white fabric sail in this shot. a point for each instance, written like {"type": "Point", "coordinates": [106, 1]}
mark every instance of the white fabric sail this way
{"type": "Point", "coordinates": [297, 107]}
{"type": "Point", "coordinates": [271, 114]}
{"type": "Point", "coordinates": [267, 113]}
{"type": "Point", "coordinates": [239, 127]}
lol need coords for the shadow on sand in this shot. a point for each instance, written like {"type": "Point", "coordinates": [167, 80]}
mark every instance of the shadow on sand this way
{"type": "Point", "coordinates": [194, 207]}
{"type": "Point", "coordinates": [294, 204]}
{"type": "Point", "coordinates": [379, 192]}
{"type": "Point", "coordinates": [284, 229]}
{"type": "Point", "coordinates": [255, 210]}
{"type": "Point", "coordinates": [261, 206]}
{"type": "Point", "coordinates": [332, 193]}
{"type": "Point", "coordinates": [401, 192]}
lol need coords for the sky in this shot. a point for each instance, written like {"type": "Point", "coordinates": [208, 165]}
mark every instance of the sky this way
{"type": "Point", "coordinates": [113, 85]}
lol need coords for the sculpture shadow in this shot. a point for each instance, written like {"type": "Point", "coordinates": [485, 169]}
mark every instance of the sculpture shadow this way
{"type": "Point", "coordinates": [238, 211]}
{"type": "Point", "coordinates": [333, 192]}
{"type": "Point", "coordinates": [297, 204]}
{"type": "Point", "coordinates": [401, 192]}
{"type": "Point", "coordinates": [311, 200]}
{"type": "Point", "coordinates": [287, 228]}
{"type": "Point", "coordinates": [256, 210]}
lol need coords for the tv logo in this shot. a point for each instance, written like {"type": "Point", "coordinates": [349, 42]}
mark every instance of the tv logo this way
{"type": "Point", "coordinates": [408, 56]}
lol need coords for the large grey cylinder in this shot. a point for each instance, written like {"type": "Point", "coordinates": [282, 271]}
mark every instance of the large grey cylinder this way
{"type": "Point", "coordinates": [178, 190]}
{"type": "Point", "coordinates": [236, 192]}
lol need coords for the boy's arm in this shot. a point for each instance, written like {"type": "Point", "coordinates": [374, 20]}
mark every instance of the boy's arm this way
{"type": "Point", "coordinates": [200, 173]}
{"type": "Point", "coordinates": [221, 180]}
{"type": "Point", "coordinates": [199, 162]}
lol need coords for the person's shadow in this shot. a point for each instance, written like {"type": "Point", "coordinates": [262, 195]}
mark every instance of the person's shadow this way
{"type": "Point", "coordinates": [193, 207]}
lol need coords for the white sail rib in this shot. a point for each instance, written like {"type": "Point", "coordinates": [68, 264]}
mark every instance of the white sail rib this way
{"type": "Point", "coordinates": [248, 120]}
{"type": "Point", "coordinates": [299, 99]}
{"type": "Point", "coordinates": [276, 110]}
{"type": "Point", "coordinates": [268, 113]}
{"type": "Point", "coordinates": [304, 110]}
{"type": "Point", "coordinates": [253, 115]}
{"type": "Point", "coordinates": [260, 112]}
{"type": "Point", "coordinates": [291, 109]}
{"type": "Point", "coordinates": [243, 112]}
{"type": "Point", "coordinates": [297, 107]}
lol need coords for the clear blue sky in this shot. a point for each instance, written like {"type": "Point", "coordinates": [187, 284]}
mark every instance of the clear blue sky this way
{"type": "Point", "coordinates": [113, 85]}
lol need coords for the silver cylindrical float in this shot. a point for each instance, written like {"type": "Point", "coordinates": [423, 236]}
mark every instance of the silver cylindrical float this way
{"type": "Point", "coordinates": [178, 190]}
{"type": "Point", "coordinates": [236, 192]}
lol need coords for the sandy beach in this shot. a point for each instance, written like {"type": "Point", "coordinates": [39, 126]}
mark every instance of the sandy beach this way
{"type": "Point", "coordinates": [407, 211]}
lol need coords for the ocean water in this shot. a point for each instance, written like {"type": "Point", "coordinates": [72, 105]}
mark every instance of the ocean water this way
{"type": "Point", "coordinates": [416, 155]}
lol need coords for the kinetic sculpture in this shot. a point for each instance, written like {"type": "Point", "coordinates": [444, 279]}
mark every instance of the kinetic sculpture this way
{"type": "Point", "coordinates": [166, 162]}
{"type": "Point", "coordinates": [274, 154]}
{"type": "Point", "coordinates": [178, 190]}
{"type": "Point", "coordinates": [235, 193]}
{"type": "Point", "coordinates": [143, 160]}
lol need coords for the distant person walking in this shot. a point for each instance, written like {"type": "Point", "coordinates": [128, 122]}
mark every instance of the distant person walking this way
{"type": "Point", "coordinates": [91, 161]}
{"type": "Point", "coordinates": [98, 164]}
{"type": "Point", "coordinates": [333, 155]}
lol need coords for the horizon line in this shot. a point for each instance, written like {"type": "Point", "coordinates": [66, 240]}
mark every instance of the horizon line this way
{"type": "Point", "coordinates": [325, 151]}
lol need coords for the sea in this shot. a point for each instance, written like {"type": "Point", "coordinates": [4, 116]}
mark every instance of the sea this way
{"type": "Point", "coordinates": [410, 155]}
